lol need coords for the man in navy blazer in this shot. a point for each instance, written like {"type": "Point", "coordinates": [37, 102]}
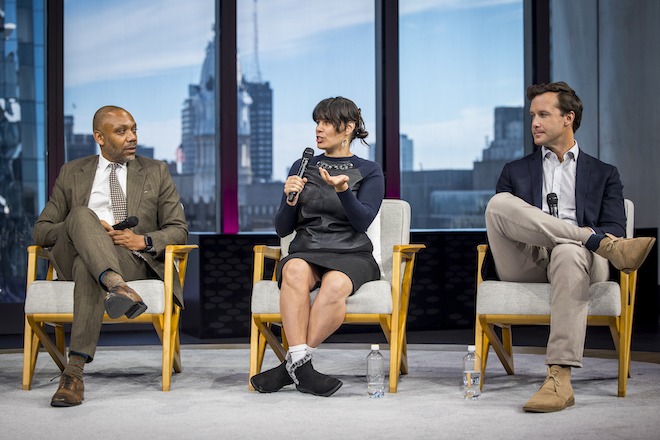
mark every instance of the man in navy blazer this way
{"type": "Point", "coordinates": [569, 248]}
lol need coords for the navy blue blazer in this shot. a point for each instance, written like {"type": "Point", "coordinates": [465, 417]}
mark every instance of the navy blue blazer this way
{"type": "Point", "coordinates": [598, 190]}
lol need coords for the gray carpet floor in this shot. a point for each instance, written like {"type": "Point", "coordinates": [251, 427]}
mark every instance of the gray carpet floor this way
{"type": "Point", "coordinates": [210, 399]}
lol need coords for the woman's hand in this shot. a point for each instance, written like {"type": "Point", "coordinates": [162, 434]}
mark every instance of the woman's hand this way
{"type": "Point", "coordinates": [340, 182]}
{"type": "Point", "coordinates": [294, 184]}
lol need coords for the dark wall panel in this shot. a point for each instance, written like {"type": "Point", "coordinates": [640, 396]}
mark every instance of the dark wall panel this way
{"type": "Point", "coordinates": [443, 287]}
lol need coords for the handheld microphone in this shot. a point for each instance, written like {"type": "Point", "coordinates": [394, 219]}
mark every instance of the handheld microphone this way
{"type": "Point", "coordinates": [553, 204]}
{"type": "Point", "coordinates": [130, 222]}
{"type": "Point", "coordinates": [306, 156]}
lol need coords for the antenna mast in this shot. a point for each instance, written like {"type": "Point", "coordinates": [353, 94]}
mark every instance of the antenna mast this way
{"type": "Point", "coordinates": [256, 44]}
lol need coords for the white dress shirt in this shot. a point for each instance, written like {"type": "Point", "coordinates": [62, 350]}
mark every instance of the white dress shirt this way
{"type": "Point", "coordinates": [559, 178]}
{"type": "Point", "coordinates": [99, 199]}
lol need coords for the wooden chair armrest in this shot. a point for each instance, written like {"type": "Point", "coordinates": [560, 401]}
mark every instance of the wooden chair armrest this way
{"type": "Point", "coordinates": [262, 253]}
{"type": "Point", "coordinates": [39, 251]}
{"type": "Point", "coordinates": [481, 256]}
{"type": "Point", "coordinates": [180, 250]}
{"type": "Point", "coordinates": [269, 252]}
{"type": "Point", "coordinates": [34, 253]}
{"type": "Point", "coordinates": [407, 251]}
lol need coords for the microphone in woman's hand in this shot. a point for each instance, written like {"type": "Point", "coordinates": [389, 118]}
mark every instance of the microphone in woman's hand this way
{"type": "Point", "coordinates": [306, 156]}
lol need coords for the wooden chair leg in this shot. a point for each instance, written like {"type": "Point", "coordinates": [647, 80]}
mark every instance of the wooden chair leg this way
{"type": "Point", "coordinates": [498, 346]}
{"type": "Point", "coordinates": [178, 366]}
{"type": "Point", "coordinates": [167, 352]}
{"type": "Point", "coordinates": [285, 342]}
{"type": "Point", "coordinates": [395, 358]}
{"type": "Point", "coordinates": [625, 330]}
{"type": "Point", "coordinates": [47, 342]}
{"type": "Point", "coordinates": [255, 350]}
{"type": "Point", "coordinates": [404, 356]}
{"type": "Point", "coordinates": [30, 350]}
{"type": "Point", "coordinates": [60, 338]}
{"type": "Point", "coordinates": [507, 341]}
{"type": "Point", "coordinates": [482, 345]}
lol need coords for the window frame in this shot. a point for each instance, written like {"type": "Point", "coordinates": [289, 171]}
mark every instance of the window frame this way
{"type": "Point", "coordinates": [536, 58]}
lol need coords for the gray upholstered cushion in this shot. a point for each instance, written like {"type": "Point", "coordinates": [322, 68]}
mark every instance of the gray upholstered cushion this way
{"type": "Point", "coordinates": [57, 296]}
{"type": "Point", "coordinates": [505, 298]}
{"type": "Point", "coordinates": [372, 297]}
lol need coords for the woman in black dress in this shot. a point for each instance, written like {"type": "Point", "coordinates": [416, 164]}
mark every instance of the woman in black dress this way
{"type": "Point", "coordinates": [335, 201]}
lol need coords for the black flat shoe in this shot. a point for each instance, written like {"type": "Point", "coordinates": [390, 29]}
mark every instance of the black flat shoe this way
{"type": "Point", "coordinates": [310, 381]}
{"type": "Point", "coordinates": [271, 380]}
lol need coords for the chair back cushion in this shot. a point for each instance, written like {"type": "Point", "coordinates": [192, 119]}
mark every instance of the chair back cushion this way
{"type": "Point", "coordinates": [630, 217]}
{"type": "Point", "coordinates": [57, 296]}
{"type": "Point", "coordinates": [507, 298]}
{"type": "Point", "coordinates": [394, 229]}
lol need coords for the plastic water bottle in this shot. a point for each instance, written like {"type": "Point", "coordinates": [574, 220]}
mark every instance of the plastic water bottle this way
{"type": "Point", "coordinates": [375, 373]}
{"type": "Point", "coordinates": [471, 374]}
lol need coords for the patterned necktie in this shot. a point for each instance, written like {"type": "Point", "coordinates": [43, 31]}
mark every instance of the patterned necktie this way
{"type": "Point", "coordinates": [117, 197]}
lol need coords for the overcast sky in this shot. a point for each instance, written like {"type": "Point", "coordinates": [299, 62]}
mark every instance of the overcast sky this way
{"type": "Point", "coordinates": [458, 61]}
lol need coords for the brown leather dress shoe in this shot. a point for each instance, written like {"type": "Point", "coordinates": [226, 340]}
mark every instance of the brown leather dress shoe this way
{"type": "Point", "coordinates": [71, 392]}
{"type": "Point", "coordinates": [122, 300]}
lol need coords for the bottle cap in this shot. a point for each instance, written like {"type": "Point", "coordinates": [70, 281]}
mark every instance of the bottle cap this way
{"type": "Point", "coordinates": [375, 347]}
{"type": "Point", "coordinates": [472, 348]}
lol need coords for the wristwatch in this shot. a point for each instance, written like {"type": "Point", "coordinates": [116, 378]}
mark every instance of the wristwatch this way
{"type": "Point", "coordinates": [148, 243]}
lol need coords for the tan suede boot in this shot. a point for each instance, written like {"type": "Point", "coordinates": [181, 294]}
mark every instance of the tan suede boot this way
{"type": "Point", "coordinates": [555, 394]}
{"type": "Point", "coordinates": [626, 254]}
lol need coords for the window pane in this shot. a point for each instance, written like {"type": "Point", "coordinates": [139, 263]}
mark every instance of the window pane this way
{"type": "Point", "coordinates": [293, 54]}
{"type": "Point", "coordinates": [22, 166]}
{"type": "Point", "coordinates": [461, 106]}
{"type": "Point", "coordinates": [156, 60]}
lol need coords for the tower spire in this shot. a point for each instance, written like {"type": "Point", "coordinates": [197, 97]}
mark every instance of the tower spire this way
{"type": "Point", "coordinates": [256, 44]}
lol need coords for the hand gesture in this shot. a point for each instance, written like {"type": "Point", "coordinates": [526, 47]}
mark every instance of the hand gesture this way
{"type": "Point", "coordinates": [339, 182]}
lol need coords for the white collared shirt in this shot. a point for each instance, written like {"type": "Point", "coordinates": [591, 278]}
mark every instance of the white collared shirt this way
{"type": "Point", "coordinates": [99, 199]}
{"type": "Point", "coordinates": [559, 178]}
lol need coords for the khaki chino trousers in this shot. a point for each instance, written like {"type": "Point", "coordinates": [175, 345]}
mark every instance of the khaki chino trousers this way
{"type": "Point", "coordinates": [531, 246]}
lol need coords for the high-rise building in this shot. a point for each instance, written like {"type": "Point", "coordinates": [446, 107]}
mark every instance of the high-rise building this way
{"type": "Point", "coordinates": [198, 154]}
{"type": "Point", "coordinates": [198, 140]}
{"type": "Point", "coordinates": [406, 148]}
{"type": "Point", "coordinates": [77, 145]}
{"type": "Point", "coordinates": [261, 130]}
{"type": "Point", "coordinates": [507, 145]}
{"type": "Point", "coordinates": [23, 191]}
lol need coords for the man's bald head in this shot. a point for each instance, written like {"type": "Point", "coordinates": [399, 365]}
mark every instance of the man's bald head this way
{"type": "Point", "coordinates": [102, 113]}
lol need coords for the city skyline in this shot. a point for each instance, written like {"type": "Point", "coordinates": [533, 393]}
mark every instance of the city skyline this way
{"type": "Point", "coordinates": [168, 56]}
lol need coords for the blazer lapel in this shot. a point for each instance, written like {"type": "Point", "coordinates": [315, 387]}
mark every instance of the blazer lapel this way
{"type": "Point", "coordinates": [135, 178]}
{"type": "Point", "coordinates": [83, 182]}
{"type": "Point", "coordinates": [536, 176]}
{"type": "Point", "coordinates": [581, 181]}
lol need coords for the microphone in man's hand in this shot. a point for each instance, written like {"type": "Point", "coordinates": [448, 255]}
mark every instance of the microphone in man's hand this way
{"type": "Point", "coordinates": [553, 204]}
{"type": "Point", "coordinates": [306, 156]}
{"type": "Point", "coordinates": [130, 222]}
